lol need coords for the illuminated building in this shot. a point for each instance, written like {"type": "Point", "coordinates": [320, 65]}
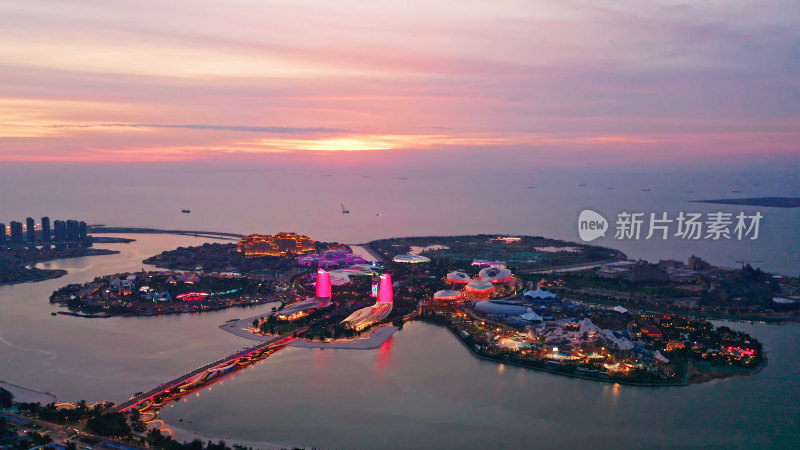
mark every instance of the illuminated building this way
{"type": "Point", "coordinates": [2, 233]}
{"type": "Point", "coordinates": [385, 294]}
{"type": "Point", "coordinates": [323, 284]}
{"type": "Point", "coordinates": [365, 317]}
{"type": "Point", "coordinates": [480, 287]}
{"type": "Point", "coordinates": [322, 299]}
{"type": "Point", "coordinates": [411, 259]}
{"type": "Point", "coordinates": [495, 275]}
{"type": "Point", "coordinates": [506, 239]}
{"type": "Point", "coordinates": [256, 245]}
{"type": "Point", "coordinates": [501, 308]}
{"type": "Point", "coordinates": [193, 296]}
{"type": "Point", "coordinates": [458, 278]}
{"type": "Point", "coordinates": [447, 295]}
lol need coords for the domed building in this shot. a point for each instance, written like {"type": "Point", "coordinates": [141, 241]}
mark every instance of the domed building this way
{"type": "Point", "coordinates": [479, 287]}
{"type": "Point", "coordinates": [447, 295]}
{"type": "Point", "coordinates": [495, 275]}
{"type": "Point", "coordinates": [501, 308]}
{"type": "Point", "coordinates": [411, 259]}
{"type": "Point", "coordinates": [458, 278]}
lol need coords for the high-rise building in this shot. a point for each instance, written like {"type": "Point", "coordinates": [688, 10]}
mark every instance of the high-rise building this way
{"type": "Point", "coordinates": [2, 233]}
{"type": "Point", "coordinates": [73, 232]}
{"type": "Point", "coordinates": [16, 232]}
{"type": "Point", "coordinates": [30, 229]}
{"type": "Point", "coordinates": [82, 230]}
{"type": "Point", "coordinates": [323, 284]}
{"type": "Point", "coordinates": [60, 230]}
{"type": "Point", "coordinates": [46, 229]}
{"type": "Point", "coordinates": [385, 294]}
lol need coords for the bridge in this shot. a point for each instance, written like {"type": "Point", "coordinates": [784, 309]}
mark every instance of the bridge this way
{"type": "Point", "coordinates": [180, 386]}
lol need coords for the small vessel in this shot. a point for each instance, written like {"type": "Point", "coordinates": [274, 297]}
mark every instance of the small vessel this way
{"type": "Point", "coordinates": [645, 190]}
{"type": "Point", "coordinates": [186, 211]}
{"type": "Point", "coordinates": [610, 188]}
{"type": "Point", "coordinates": [581, 185]}
{"type": "Point", "coordinates": [402, 178]}
{"type": "Point", "coordinates": [344, 210]}
{"type": "Point", "coordinates": [531, 187]}
{"type": "Point", "coordinates": [378, 214]}
{"type": "Point", "coordinates": [690, 191]}
{"type": "Point", "coordinates": [53, 314]}
{"type": "Point", "coordinates": [736, 192]}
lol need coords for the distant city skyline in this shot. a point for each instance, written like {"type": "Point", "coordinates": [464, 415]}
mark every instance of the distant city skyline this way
{"type": "Point", "coordinates": [550, 82]}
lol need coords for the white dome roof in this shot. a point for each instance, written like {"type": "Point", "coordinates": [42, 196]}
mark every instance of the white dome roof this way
{"type": "Point", "coordinates": [495, 274]}
{"type": "Point", "coordinates": [458, 277]}
{"type": "Point", "coordinates": [412, 259]}
{"type": "Point", "coordinates": [447, 295]}
{"type": "Point", "coordinates": [480, 286]}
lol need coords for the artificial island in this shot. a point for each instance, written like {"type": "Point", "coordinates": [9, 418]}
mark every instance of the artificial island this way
{"type": "Point", "coordinates": [565, 308]}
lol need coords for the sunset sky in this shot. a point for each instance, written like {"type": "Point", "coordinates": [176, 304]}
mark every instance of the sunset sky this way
{"type": "Point", "coordinates": [550, 80]}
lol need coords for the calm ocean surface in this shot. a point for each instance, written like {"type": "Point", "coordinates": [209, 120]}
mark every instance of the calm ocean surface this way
{"type": "Point", "coordinates": [422, 389]}
{"type": "Point", "coordinates": [457, 200]}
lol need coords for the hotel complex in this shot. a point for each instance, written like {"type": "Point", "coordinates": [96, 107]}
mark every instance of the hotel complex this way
{"type": "Point", "coordinates": [257, 245]}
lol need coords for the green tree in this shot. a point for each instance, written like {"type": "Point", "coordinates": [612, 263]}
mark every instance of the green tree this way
{"type": "Point", "coordinates": [113, 424]}
{"type": "Point", "coordinates": [6, 398]}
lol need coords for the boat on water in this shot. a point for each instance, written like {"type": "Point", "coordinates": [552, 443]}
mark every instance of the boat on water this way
{"type": "Point", "coordinates": [581, 185]}
{"type": "Point", "coordinates": [645, 190]}
{"type": "Point", "coordinates": [531, 187]}
{"type": "Point", "coordinates": [344, 210]}
{"type": "Point", "coordinates": [402, 178]}
{"type": "Point", "coordinates": [186, 211]}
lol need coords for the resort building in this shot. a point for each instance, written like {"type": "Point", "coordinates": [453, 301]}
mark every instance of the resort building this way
{"type": "Point", "coordinates": [495, 275]}
{"type": "Point", "coordinates": [447, 295]}
{"type": "Point", "coordinates": [321, 299]}
{"type": "Point", "coordinates": [479, 287]}
{"type": "Point", "coordinates": [365, 317]}
{"type": "Point", "coordinates": [257, 245]}
{"type": "Point", "coordinates": [411, 259]}
{"type": "Point", "coordinates": [458, 278]}
{"type": "Point", "coordinates": [539, 294]}
{"type": "Point", "coordinates": [501, 308]}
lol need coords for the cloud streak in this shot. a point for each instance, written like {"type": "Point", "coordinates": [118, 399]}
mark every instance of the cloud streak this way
{"type": "Point", "coordinates": [249, 129]}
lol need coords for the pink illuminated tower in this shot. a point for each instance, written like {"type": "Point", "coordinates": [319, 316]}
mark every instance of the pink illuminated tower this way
{"type": "Point", "coordinates": [323, 284]}
{"type": "Point", "coordinates": [385, 294]}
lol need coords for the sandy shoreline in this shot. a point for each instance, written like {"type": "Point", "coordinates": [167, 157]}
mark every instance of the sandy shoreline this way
{"type": "Point", "coordinates": [25, 395]}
